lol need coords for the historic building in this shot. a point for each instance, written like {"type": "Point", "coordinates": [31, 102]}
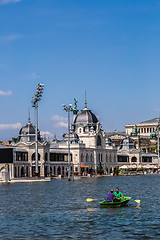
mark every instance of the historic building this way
{"type": "Point", "coordinates": [145, 128]}
{"type": "Point", "coordinates": [116, 137]}
{"type": "Point", "coordinates": [130, 157]}
{"type": "Point", "coordinates": [144, 135]}
{"type": "Point", "coordinates": [91, 151]}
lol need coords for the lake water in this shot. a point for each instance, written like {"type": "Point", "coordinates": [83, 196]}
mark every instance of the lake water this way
{"type": "Point", "coordinates": [58, 209]}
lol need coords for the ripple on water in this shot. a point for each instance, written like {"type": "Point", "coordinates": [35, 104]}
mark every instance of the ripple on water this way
{"type": "Point", "coordinates": [58, 209]}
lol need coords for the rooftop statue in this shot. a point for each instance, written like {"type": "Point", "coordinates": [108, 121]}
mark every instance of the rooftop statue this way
{"type": "Point", "coordinates": [75, 110]}
{"type": "Point", "coordinates": [135, 131]}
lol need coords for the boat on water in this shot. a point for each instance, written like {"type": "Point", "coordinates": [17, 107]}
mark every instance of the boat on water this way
{"type": "Point", "coordinates": [122, 203]}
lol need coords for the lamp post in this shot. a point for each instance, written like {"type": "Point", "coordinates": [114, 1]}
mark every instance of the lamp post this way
{"type": "Point", "coordinates": [35, 100]}
{"type": "Point", "coordinates": [158, 138]}
{"type": "Point", "coordinates": [68, 109]}
{"type": "Point", "coordinates": [155, 134]}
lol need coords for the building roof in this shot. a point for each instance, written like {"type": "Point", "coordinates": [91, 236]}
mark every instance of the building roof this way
{"type": "Point", "coordinates": [151, 121]}
{"type": "Point", "coordinates": [109, 134]}
{"type": "Point", "coordinates": [85, 117]}
{"type": "Point", "coordinates": [127, 144]}
{"type": "Point", "coordinates": [154, 120]}
{"type": "Point", "coordinates": [27, 133]}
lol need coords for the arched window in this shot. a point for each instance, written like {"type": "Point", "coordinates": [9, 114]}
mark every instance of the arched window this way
{"type": "Point", "coordinates": [87, 157]}
{"type": "Point", "coordinates": [110, 158]}
{"type": "Point", "coordinates": [82, 157]}
{"type": "Point", "coordinates": [99, 141]}
{"type": "Point", "coordinates": [134, 159]}
{"type": "Point", "coordinates": [33, 157]}
{"type": "Point", "coordinates": [106, 158]}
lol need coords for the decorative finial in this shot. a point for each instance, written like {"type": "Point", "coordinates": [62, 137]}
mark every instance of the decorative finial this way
{"type": "Point", "coordinates": [29, 116]}
{"type": "Point", "coordinates": [85, 100]}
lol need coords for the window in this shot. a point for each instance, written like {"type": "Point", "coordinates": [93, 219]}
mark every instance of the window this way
{"type": "Point", "coordinates": [60, 157]}
{"type": "Point", "coordinates": [134, 159]}
{"type": "Point", "coordinates": [147, 159]}
{"type": "Point", "coordinates": [110, 157]}
{"type": "Point", "coordinates": [150, 130]}
{"type": "Point", "coordinates": [99, 141]}
{"type": "Point", "coordinates": [33, 157]}
{"type": "Point", "coordinates": [91, 158]}
{"type": "Point", "coordinates": [147, 130]}
{"type": "Point", "coordinates": [122, 158]}
{"type": "Point", "coordinates": [82, 157]}
{"type": "Point", "coordinates": [144, 130]}
{"type": "Point", "coordinates": [106, 158]}
{"type": "Point", "coordinates": [87, 158]}
{"type": "Point", "coordinates": [21, 156]}
{"type": "Point", "coordinates": [141, 130]}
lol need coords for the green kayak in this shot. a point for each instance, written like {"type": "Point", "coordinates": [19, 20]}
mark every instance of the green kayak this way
{"type": "Point", "coordinates": [122, 203]}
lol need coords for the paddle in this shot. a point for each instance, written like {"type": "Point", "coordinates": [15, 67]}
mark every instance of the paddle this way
{"type": "Point", "coordinates": [90, 199]}
{"type": "Point", "coordinates": [138, 201]}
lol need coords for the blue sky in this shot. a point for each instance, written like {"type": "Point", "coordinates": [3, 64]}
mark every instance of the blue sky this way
{"type": "Point", "coordinates": [108, 48]}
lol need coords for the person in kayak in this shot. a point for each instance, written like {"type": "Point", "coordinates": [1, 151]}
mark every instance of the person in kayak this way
{"type": "Point", "coordinates": [110, 196]}
{"type": "Point", "coordinates": [118, 194]}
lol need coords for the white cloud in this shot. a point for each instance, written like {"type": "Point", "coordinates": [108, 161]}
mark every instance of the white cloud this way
{"type": "Point", "coordinates": [9, 126]}
{"type": "Point", "coordinates": [59, 121]}
{"type": "Point", "coordinates": [58, 118]}
{"type": "Point", "coordinates": [46, 133]}
{"type": "Point", "coordinates": [2, 2]}
{"type": "Point", "coordinates": [61, 124]}
{"type": "Point", "coordinates": [11, 37]}
{"type": "Point", "coordinates": [3, 93]}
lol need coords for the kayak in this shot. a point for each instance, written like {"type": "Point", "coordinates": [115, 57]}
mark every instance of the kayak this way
{"type": "Point", "coordinates": [122, 203]}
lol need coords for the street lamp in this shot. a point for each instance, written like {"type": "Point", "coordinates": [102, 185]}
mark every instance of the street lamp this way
{"type": "Point", "coordinates": [155, 134]}
{"type": "Point", "coordinates": [68, 109]}
{"type": "Point", "coordinates": [35, 100]}
{"type": "Point", "coordinates": [158, 138]}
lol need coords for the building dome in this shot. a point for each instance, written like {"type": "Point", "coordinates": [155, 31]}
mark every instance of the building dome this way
{"type": "Point", "coordinates": [85, 117]}
{"type": "Point", "coordinates": [27, 129]}
{"type": "Point", "coordinates": [127, 144]}
{"type": "Point", "coordinates": [27, 133]}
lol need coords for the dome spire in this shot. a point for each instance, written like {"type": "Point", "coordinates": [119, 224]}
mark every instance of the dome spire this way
{"type": "Point", "coordinates": [85, 103]}
{"type": "Point", "coordinates": [29, 120]}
